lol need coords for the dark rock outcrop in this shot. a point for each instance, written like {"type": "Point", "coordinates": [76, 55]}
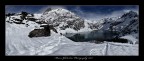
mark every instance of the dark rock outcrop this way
{"type": "Point", "coordinates": [42, 32]}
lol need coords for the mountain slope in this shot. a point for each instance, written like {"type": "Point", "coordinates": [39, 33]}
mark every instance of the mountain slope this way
{"type": "Point", "coordinates": [62, 19]}
{"type": "Point", "coordinates": [128, 23]}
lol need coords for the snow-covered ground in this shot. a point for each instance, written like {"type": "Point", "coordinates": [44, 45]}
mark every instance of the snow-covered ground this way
{"type": "Point", "coordinates": [18, 43]}
{"type": "Point", "coordinates": [122, 49]}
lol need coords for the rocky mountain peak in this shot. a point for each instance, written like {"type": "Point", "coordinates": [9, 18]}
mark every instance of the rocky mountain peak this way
{"type": "Point", "coordinates": [129, 14]}
{"type": "Point", "coordinates": [62, 18]}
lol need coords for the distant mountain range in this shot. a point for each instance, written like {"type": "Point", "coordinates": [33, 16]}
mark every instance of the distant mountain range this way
{"type": "Point", "coordinates": [66, 21]}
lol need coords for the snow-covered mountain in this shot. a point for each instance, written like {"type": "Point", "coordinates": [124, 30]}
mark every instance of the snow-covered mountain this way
{"type": "Point", "coordinates": [128, 23]}
{"type": "Point", "coordinates": [65, 21]}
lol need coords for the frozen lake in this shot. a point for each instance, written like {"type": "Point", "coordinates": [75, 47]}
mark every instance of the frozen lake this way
{"type": "Point", "coordinates": [96, 35]}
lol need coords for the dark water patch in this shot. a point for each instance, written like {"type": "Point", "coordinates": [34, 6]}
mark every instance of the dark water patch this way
{"type": "Point", "coordinates": [98, 36]}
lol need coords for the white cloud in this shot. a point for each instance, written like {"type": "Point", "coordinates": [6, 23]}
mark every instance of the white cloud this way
{"type": "Point", "coordinates": [50, 6]}
{"type": "Point", "coordinates": [98, 15]}
{"type": "Point", "coordinates": [13, 8]}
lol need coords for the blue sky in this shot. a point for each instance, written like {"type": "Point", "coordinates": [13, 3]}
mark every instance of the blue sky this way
{"type": "Point", "coordinates": [89, 11]}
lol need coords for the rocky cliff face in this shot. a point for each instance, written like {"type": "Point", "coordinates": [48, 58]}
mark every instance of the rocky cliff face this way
{"type": "Point", "coordinates": [128, 23]}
